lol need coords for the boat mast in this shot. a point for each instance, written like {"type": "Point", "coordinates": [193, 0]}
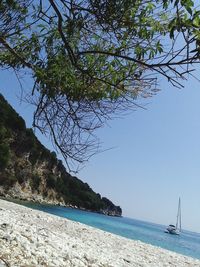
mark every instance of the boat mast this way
{"type": "Point", "coordinates": [178, 220]}
{"type": "Point", "coordinates": [180, 213]}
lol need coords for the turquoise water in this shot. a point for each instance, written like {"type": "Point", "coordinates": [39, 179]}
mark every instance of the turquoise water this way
{"type": "Point", "coordinates": [188, 243]}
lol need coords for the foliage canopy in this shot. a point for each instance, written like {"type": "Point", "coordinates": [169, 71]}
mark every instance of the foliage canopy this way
{"type": "Point", "coordinates": [91, 59]}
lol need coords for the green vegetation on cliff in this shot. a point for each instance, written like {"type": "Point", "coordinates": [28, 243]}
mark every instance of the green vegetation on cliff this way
{"type": "Point", "coordinates": [25, 162]}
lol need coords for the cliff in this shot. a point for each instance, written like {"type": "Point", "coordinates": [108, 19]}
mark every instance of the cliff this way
{"type": "Point", "coordinates": [29, 171]}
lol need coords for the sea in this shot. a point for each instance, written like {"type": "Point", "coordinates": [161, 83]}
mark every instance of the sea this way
{"type": "Point", "coordinates": [188, 243]}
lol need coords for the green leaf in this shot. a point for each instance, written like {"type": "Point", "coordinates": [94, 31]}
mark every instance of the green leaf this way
{"type": "Point", "coordinates": [171, 34]}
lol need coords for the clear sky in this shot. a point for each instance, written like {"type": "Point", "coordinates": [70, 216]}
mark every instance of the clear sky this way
{"type": "Point", "coordinates": [155, 159]}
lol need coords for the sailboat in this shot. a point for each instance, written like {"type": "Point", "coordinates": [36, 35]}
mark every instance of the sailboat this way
{"type": "Point", "coordinates": [172, 229]}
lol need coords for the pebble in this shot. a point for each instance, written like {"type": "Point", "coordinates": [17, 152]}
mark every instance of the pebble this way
{"type": "Point", "coordinates": [4, 225]}
{"type": "Point", "coordinates": [2, 264]}
{"type": "Point", "coordinates": [6, 238]}
{"type": "Point", "coordinates": [56, 263]}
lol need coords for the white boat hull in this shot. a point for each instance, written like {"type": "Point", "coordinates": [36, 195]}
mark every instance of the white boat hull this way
{"type": "Point", "coordinates": [172, 232]}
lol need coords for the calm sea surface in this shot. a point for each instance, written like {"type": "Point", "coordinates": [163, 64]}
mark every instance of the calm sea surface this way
{"type": "Point", "coordinates": [188, 243]}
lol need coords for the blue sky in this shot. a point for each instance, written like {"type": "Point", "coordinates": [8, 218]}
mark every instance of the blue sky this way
{"type": "Point", "coordinates": [155, 159]}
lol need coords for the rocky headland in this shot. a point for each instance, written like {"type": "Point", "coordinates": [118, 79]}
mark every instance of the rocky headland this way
{"type": "Point", "coordinates": [29, 171]}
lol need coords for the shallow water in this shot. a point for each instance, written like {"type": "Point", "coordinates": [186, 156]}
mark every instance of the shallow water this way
{"type": "Point", "coordinates": [188, 243]}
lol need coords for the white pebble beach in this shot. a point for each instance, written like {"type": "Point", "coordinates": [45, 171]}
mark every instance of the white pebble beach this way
{"type": "Point", "coordinates": [32, 238]}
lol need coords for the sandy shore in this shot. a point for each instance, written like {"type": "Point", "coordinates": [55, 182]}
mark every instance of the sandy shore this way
{"type": "Point", "coordinates": [34, 238]}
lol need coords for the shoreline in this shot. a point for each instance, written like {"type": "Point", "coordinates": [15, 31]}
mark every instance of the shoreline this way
{"type": "Point", "coordinates": [43, 201]}
{"type": "Point", "coordinates": [50, 203]}
{"type": "Point", "coordinates": [33, 238]}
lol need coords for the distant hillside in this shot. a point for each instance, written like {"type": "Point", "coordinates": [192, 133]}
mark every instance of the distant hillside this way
{"type": "Point", "coordinates": [30, 171]}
